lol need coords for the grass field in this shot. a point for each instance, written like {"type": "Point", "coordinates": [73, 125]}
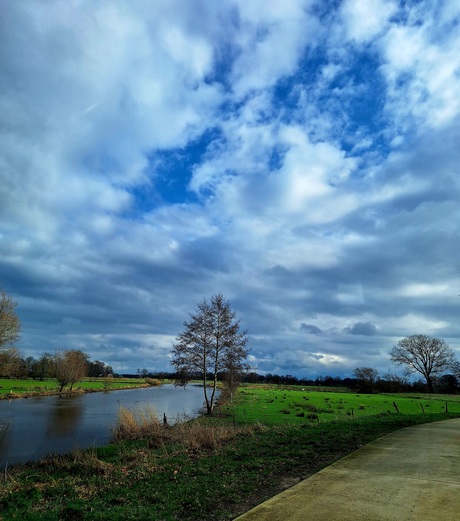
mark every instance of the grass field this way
{"type": "Point", "coordinates": [211, 468]}
{"type": "Point", "coordinates": [20, 387]}
{"type": "Point", "coordinates": [272, 405]}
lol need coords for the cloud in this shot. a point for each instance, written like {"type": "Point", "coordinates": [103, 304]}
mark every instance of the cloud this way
{"type": "Point", "coordinates": [361, 328]}
{"type": "Point", "coordinates": [365, 19]}
{"type": "Point", "coordinates": [302, 159]}
{"type": "Point", "coordinates": [310, 328]}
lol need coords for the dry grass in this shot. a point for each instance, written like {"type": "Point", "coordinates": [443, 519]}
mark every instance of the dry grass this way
{"type": "Point", "coordinates": [153, 382]}
{"type": "Point", "coordinates": [142, 423]}
{"type": "Point", "coordinates": [195, 435]}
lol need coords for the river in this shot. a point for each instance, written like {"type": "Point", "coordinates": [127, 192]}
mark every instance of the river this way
{"type": "Point", "coordinates": [33, 428]}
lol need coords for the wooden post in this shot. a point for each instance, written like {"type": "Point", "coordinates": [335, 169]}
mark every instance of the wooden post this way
{"type": "Point", "coordinates": [447, 408]}
{"type": "Point", "coordinates": [395, 406]}
{"type": "Point", "coordinates": [423, 409]}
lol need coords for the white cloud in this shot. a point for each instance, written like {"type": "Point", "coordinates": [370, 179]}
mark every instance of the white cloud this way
{"type": "Point", "coordinates": [422, 73]}
{"type": "Point", "coordinates": [365, 19]}
{"type": "Point", "coordinates": [272, 39]}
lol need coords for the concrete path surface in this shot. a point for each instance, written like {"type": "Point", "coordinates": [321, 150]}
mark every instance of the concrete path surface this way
{"type": "Point", "coordinates": [412, 474]}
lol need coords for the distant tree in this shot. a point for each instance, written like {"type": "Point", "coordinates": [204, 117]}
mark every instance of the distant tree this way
{"type": "Point", "coordinates": [9, 322]}
{"type": "Point", "coordinates": [252, 378]}
{"type": "Point", "coordinates": [455, 368]}
{"type": "Point", "coordinates": [30, 366]}
{"type": "Point", "coordinates": [11, 363]}
{"type": "Point", "coordinates": [68, 367]}
{"type": "Point", "coordinates": [44, 366]}
{"type": "Point", "coordinates": [446, 384]}
{"type": "Point", "coordinates": [142, 373]}
{"type": "Point", "coordinates": [210, 343]}
{"type": "Point", "coordinates": [367, 378]}
{"type": "Point", "coordinates": [392, 383]}
{"type": "Point", "coordinates": [98, 369]}
{"type": "Point", "coordinates": [425, 355]}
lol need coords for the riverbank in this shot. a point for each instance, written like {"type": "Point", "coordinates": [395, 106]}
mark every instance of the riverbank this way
{"type": "Point", "coordinates": [18, 388]}
{"type": "Point", "coordinates": [209, 468]}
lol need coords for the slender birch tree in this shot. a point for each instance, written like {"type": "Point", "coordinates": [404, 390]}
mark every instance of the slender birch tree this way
{"type": "Point", "coordinates": [210, 343]}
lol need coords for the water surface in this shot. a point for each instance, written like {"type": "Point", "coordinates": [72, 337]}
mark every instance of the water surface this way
{"type": "Point", "coordinates": [35, 427]}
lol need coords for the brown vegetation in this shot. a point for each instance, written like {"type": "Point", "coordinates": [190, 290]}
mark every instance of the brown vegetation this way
{"type": "Point", "coordinates": [196, 435]}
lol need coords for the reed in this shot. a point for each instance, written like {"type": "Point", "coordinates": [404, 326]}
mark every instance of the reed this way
{"type": "Point", "coordinates": [140, 423]}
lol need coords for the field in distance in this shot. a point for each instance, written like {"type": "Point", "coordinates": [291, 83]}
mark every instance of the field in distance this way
{"type": "Point", "coordinates": [272, 405]}
{"type": "Point", "coordinates": [28, 387]}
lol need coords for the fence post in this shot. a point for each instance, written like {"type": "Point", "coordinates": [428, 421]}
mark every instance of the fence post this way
{"type": "Point", "coordinates": [423, 409]}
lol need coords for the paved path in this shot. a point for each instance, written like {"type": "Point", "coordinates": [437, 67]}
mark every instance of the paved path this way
{"type": "Point", "coordinates": [412, 474]}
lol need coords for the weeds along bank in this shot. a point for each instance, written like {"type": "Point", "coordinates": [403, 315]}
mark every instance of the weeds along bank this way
{"type": "Point", "coordinates": [210, 468]}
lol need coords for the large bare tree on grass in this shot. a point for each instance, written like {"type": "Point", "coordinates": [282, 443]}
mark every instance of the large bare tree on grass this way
{"type": "Point", "coordinates": [68, 367]}
{"type": "Point", "coordinates": [211, 343]}
{"type": "Point", "coordinates": [425, 355]}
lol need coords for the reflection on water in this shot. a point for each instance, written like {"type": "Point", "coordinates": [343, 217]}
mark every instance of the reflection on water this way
{"type": "Point", "coordinates": [32, 428]}
{"type": "Point", "coordinates": [5, 435]}
{"type": "Point", "coordinates": [65, 416]}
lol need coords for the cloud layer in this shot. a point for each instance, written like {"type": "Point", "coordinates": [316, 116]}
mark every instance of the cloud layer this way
{"type": "Point", "coordinates": [301, 158]}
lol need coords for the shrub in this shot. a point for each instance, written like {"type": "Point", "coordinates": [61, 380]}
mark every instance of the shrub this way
{"type": "Point", "coordinates": [153, 382]}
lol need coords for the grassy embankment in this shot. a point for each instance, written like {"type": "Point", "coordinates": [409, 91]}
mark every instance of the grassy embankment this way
{"type": "Point", "coordinates": [211, 468]}
{"type": "Point", "coordinates": [21, 388]}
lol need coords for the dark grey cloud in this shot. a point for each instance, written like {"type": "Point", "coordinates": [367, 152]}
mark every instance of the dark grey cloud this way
{"type": "Point", "coordinates": [309, 328]}
{"type": "Point", "coordinates": [361, 328]}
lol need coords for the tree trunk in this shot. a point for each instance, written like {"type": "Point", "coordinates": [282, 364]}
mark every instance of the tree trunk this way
{"type": "Point", "coordinates": [429, 381]}
{"type": "Point", "coordinates": [208, 403]}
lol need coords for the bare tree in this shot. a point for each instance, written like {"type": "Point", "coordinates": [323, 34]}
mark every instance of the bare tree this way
{"type": "Point", "coordinates": [425, 355]}
{"type": "Point", "coordinates": [367, 377]}
{"type": "Point", "coordinates": [455, 368]}
{"type": "Point", "coordinates": [10, 362]}
{"type": "Point", "coordinates": [69, 367]}
{"type": "Point", "coordinates": [9, 322]}
{"type": "Point", "coordinates": [393, 383]}
{"type": "Point", "coordinates": [211, 343]}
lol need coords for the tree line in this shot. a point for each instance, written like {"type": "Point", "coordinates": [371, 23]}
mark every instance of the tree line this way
{"type": "Point", "coordinates": [67, 366]}
{"type": "Point", "coordinates": [212, 348]}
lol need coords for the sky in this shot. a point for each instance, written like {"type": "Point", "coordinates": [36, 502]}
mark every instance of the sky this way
{"type": "Point", "coordinates": [299, 157]}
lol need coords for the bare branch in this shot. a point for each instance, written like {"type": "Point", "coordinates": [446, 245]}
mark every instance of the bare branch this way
{"type": "Point", "coordinates": [425, 355]}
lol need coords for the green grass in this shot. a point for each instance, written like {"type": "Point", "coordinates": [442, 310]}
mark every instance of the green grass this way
{"type": "Point", "coordinates": [272, 406]}
{"type": "Point", "coordinates": [19, 387]}
{"type": "Point", "coordinates": [212, 468]}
